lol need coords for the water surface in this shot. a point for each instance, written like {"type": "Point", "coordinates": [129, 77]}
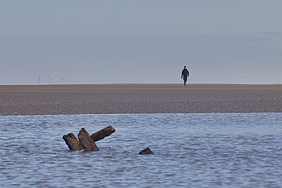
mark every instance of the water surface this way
{"type": "Point", "coordinates": [190, 150]}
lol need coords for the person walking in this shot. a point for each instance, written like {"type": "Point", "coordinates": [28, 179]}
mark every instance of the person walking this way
{"type": "Point", "coordinates": [185, 75]}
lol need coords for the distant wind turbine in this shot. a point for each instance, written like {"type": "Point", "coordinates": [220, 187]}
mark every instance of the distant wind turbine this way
{"type": "Point", "coordinates": [62, 79]}
{"type": "Point", "coordinates": [278, 79]}
{"type": "Point", "coordinates": [50, 79]}
{"type": "Point", "coordinates": [39, 80]}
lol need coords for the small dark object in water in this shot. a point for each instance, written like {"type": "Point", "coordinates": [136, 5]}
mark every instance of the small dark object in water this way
{"type": "Point", "coordinates": [146, 151]}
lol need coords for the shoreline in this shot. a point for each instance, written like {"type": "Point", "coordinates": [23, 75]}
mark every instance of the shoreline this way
{"type": "Point", "coordinates": [59, 99]}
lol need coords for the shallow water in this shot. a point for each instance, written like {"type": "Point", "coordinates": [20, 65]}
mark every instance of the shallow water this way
{"type": "Point", "coordinates": [190, 150]}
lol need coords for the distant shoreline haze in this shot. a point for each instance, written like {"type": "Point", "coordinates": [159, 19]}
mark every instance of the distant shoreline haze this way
{"type": "Point", "coordinates": [96, 60]}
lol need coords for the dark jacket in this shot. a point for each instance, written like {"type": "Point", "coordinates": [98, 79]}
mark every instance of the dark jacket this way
{"type": "Point", "coordinates": [185, 73]}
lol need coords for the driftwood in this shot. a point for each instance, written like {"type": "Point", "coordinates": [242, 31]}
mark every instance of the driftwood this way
{"type": "Point", "coordinates": [86, 141]}
{"type": "Point", "coordinates": [72, 142]}
{"type": "Point", "coordinates": [102, 133]}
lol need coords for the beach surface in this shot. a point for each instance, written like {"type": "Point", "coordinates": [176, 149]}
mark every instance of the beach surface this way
{"type": "Point", "coordinates": [139, 98]}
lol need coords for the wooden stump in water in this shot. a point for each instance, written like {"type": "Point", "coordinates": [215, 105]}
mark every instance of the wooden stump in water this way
{"type": "Point", "coordinates": [86, 141]}
{"type": "Point", "coordinates": [72, 142]}
{"type": "Point", "coordinates": [102, 133]}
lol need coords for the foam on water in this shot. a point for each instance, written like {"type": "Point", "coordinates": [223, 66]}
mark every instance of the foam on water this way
{"type": "Point", "coordinates": [192, 150]}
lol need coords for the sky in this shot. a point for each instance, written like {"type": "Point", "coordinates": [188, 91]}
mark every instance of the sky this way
{"type": "Point", "coordinates": [140, 41]}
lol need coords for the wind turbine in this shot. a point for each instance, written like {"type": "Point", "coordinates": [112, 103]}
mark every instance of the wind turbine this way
{"type": "Point", "coordinates": [279, 79]}
{"type": "Point", "coordinates": [39, 80]}
{"type": "Point", "coordinates": [50, 79]}
{"type": "Point", "coordinates": [62, 79]}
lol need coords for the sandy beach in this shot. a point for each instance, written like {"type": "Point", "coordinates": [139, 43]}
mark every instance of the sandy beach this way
{"type": "Point", "coordinates": [139, 98]}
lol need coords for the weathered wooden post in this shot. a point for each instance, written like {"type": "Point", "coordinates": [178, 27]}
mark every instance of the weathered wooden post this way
{"type": "Point", "coordinates": [72, 142]}
{"type": "Point", "coordinates": [86, 141]}
{"type": "Point", "coordinates": [102, 133]}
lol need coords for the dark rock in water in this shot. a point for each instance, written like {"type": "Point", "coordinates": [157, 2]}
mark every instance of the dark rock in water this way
{"type": "Point", "coordinates": [86, 141]}
{"type": "Point", "coordinates": [102, 133]}
{"type": "Point", "coordinates": [72, 142]}
{"type": "Point", "coordinates": [146, 151]}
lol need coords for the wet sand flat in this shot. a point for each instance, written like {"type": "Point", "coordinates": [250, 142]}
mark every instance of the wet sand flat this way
{"type": "Point", "coordinates": [139, 98]}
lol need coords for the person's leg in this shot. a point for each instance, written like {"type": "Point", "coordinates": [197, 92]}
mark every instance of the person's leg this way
{"type": "Point", "coordinates": [185, 80]}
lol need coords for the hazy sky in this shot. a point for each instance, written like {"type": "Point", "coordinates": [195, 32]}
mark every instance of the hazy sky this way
{"type": "Point", "coordinates": [140, 41]}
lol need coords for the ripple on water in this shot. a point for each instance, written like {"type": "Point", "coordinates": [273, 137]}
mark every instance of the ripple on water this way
{"type": "Point", "coordinates": [189, 150]}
